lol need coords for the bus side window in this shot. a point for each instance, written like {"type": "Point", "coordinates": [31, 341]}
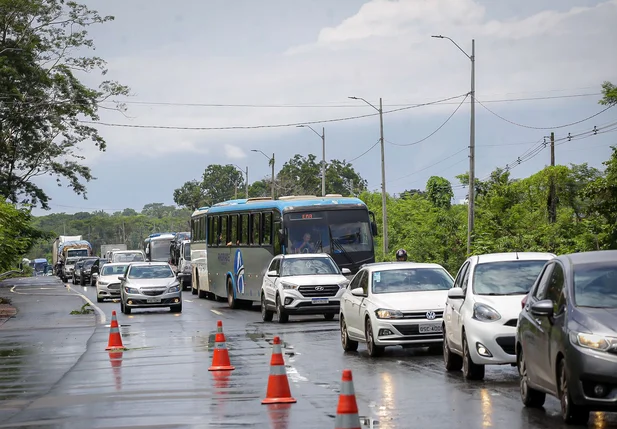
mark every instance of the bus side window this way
{"type": "Point", "coordinates": [267, 229]}
{"type": "Point", "coordinates": [193, 228]}
{"type": "Point", "coordinates": [215, 231]}
{"type": "Point", "coordinates": [276, 239]}
{"type": "Point", "coordinates": [223, 238]}
{"type": "Point", "coordinates": [255, 224]}
{"type": "Point", "coordinates": [233, 230]}
{"type": "Point", "coordinates": [202, 229]}
{"type": "Point", "coordinates": [244, 229]}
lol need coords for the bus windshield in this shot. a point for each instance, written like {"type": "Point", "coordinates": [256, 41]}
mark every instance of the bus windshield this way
{"type": "Point", "coordinates": [159, 250]}
{"type": "Point", "coordinates": [334, 232]}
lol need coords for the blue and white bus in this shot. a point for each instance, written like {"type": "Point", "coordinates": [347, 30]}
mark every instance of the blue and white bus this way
{"type": "Point", "coordinates": [234, 241]}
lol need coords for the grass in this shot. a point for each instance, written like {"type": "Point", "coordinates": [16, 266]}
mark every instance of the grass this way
{"type": "Point", "coordinates": [85, 309]}
{"type": "Point", "coordinates": [4, 300]}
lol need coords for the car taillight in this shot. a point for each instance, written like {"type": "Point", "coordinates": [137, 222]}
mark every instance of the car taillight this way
{"type": "Point", "coordinates": [524, 301]}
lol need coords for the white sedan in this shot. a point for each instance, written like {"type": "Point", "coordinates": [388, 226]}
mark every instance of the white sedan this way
{"type": "Point", "coordinates": [483, 307]}
{"type": "Point", "coordinates": [107, 283]}
{"type": "Point", "coordinates": [394, 304]}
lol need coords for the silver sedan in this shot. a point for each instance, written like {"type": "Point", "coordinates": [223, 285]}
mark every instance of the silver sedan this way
{"type": "Point", "coordinates": [150, 284]}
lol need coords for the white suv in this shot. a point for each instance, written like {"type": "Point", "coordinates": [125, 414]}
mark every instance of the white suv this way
{"type": "Point", "coordinates": [483, 307]}
{"type": "Point", "coordinates": [302, 284]}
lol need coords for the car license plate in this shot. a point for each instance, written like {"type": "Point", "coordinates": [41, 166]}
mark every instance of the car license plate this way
{"type": "Point", "coordinates": [430, 328]}
{"type": "Point", "coordinates": [320, 300]}
{"type": "Point", "coordinates": [153, 300]}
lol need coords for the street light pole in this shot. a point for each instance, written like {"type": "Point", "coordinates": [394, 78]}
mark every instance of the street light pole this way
{"type": "Point", "coordinates": [472, 140]}
{"type": "Point", "coordinates": [323, 156]}
{"type": "Point", "coordinates": [384, 211]}
{"type": "Point", "coordinates": [271, 162]}
{"type": "Point", "coordinates": [246, 181]}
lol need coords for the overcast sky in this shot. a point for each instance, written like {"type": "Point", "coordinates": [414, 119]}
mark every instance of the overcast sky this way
{"type": "Point", "coordinates": [538, 64]}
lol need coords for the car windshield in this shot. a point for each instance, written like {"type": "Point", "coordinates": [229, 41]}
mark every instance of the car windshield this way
{"type": "Point", "coordinates": [151, 272]}
{"type": "Point", "coordinates": [187, 252]}
{"type": "Point", "coordinates": [411, 280]}
{"type": "Point", "coordinates": [71, 261]}
{"type": "Point", "coordinates": [110, 270]}
{"type": "Point", "coordinates": [159, 250]}
{"type": "Point", "coordinates": [79, 264]}
{"type": "Point", "coordinates": [506, 277]}
{"type": "Point", "coordinates": [128, 257]}
{"type": "Point", "coordinates": [595, 285]}
{"type": "Point", "coordinates": [308, 266]}
{"type": "Point", "coordinates": [89, 263]}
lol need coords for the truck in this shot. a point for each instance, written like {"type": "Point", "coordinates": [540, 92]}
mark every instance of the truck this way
{"type": "Point", "coordinates": [184, 267]}
{"type": "Point", "coordinates": [69, 252]}
{"type": "Point", "coordinates": [107, 248]}
{"type": "Point", "coordinates": [174, 247]}
{"type": "Point", "coordinates": [61, 240]}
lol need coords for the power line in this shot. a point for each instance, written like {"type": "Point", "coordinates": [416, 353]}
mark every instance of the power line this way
{"type": "Point", "coordinates": [250, 127]}
{"type": "Point", "coordinates": [544, 128]}
{"type": "Point", "coordinates": [428, 166]}
{"type": "Point", "coordinates": [365, 152]}
{"type": "Point", "coordinates": [434, 132]}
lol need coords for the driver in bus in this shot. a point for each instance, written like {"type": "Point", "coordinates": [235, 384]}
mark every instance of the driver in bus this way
{"type": "Point", "coordinates": [305, 246]}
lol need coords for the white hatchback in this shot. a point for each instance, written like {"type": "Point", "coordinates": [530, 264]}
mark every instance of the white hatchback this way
{"type": "Point", "coordinates": [394, 304]}
{"type": "Point", "coordinates": [107, 283]}
{"type": "Point", "coordinates": [483, 307]}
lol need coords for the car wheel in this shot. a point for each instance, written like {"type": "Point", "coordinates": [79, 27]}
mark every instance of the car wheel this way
{"type": "Point", "coordinates": [99, 299]}
{"type": "Point", "coordinates": [570, 412]}
{"type": "Point", "coordinates": [232, 302]}
{"type": "Point", "coordinates": [531, 397]}
{"type": "Point", "coordinates": [193, 290]}
{"type": "Point", "coordinates": [329, 316]}
{"type": "Point", "coordinates": [266, 315]}
{"type": "Point", "coordinates": [348, 344]}
{"type": "Point", "coordinates": [281, 316]}
{"type": "Point", "coordinates": [92, 282]}
{"type": "Point", "coordinates": [373, 349]}
{"type": "Point", "coordinates": [82, 281]}
{"type": "Point", "coordinates": [452, 361]}
{"type": "Point", "coordinates": [471, 371]}
{"type": "Point", "coordinates": [176, 308]}
{"type": "Point", "coordinates": [124, 308]}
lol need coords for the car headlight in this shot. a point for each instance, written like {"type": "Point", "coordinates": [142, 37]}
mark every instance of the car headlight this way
{"type": "Point", "coordinates": [174, 288]}
{"type": "Point", "coordinates": [485, 313]}
{"type": "Point", "coordinates": [131, 290]}
{"type": "Point", "coordinates": [103, 283]}
{"type": "Point", "coordinates": [86, 271]}
{"type": "Point", "coordinates": [289, 285]}
{"type": "Point", "coordinates": [592, 341]}
{"type": "Point", "coordinates": [382, 313]}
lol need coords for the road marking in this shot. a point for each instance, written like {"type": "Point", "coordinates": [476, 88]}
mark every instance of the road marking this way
{"type": "Point", "coordinates": [188, 300]}
{"type": "Point", "coordinates": [101, 314]}
{"type": "Point", "coordinates": [216, 312]}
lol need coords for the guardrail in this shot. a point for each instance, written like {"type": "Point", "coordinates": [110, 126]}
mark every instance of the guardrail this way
{"type": "Point", "coordinates": [8, 273]}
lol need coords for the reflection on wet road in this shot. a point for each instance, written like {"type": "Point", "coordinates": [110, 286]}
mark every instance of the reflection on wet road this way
{"type": "Point", "coordinates": [162, 379]}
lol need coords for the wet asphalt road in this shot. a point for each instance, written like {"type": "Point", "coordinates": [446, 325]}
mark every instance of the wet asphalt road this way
{"type": "Point", "coordinates": [55, 373]}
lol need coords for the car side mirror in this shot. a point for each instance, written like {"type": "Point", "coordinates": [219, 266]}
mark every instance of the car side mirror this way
{"type": "Point", "coordinates": [542, 308]}
{"type": "Point", "coordinates": [272, 274]}
{"type": "Point", "coordinates": [456, 293]}
{"type": "Point", "coordinates": [346, 271]}
{"type": "Point", "coordinates": [121, 278]}
{"type": "Point", "coordinates": [374, 229]}
{"type": "Point", "coordinates": [358, 292]}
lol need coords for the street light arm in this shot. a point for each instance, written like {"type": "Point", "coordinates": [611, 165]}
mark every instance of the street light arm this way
{"type": "Point", "coordinates": [455, 44]}
{"type": "Point", "coordinates": [360, 98]}
{"type": "Point", "coordinates": [311, 128]}
{"type": "Point", "coordinates": [257, 150]}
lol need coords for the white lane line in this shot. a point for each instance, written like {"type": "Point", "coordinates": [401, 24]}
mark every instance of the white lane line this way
{"type": "Point", "coordinates": [101, 314]}
{"type": "Point", "coordinates": [216, 312]}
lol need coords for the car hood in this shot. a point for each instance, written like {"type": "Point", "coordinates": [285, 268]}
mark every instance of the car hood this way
{"type": "Point", "coordinates": [508, 306]}
{"type": "Point", "coordinates": [151, 282]}
{"type": "Point", "coordinates": [411, 301]}
{"type": "Point", "coordinates": [325, 279]}
{"type": "Point", "coordinates": [109, 279]}
{"type": "Point", "coordinates": [597, 320]}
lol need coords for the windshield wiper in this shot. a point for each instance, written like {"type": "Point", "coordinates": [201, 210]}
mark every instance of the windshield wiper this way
{"type": "Point", "coordinates": [503, 294]}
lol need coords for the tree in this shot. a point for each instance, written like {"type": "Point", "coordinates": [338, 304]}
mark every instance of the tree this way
{"type": "Point", "coordinates": [158, 210]}
{"type": "Point", "coordinates": [342, 178]}
{"type": "Point", "coordinates": [602, 193]}
{"type": "Point", "coordinates": [17, 235]}
{"type": "Point", "coordinates": [439, 192]}
{"type": "Point", "coordinates": [45, 108]}
{"type": "Point", "coordinates": [220, 183]}
{"type": "Point", "coordinates": [191, 195]}
{"type": "Point", "coordinates": [609, 92]}
{"type": "Point", "coordinates": [260, 188]}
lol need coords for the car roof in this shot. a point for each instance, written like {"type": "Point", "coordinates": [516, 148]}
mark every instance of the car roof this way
{"type": "Point", "coordinates": [385, 266]}
{"type": "Point", "coordinates": [513, 256]}
{"type": "Point", "coordinates": [305, 255]}
{"type": "Point", "coordinates": [115, 264]}
{"type": "Point", "coordinates": [147, 264]}
{"type": "Point", "coordinates": [590, 257]}
{"type": "Point", "coordinates": [128, 251]}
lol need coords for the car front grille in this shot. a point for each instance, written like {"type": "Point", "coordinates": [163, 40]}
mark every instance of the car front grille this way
{"type": "Point", "coordinates": [318, 290]}
{"type": "Point", "coordinates": [422, 315]}
{"type": "Point", "coordinates": [114, 286]}
{"type": "Point", "coordinates": [507, 344]}
{"type": "Point", "coordinates": [152, 292]}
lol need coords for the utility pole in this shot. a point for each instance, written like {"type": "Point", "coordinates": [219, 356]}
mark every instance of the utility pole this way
{"type": "Point", "coordinates": [384, 211]}
{"type": "Point", "coordinates": [323, 162]}
{"type": "Point", "coordinates": [552, 198]}
{"type": "Point", "coordinates": [246, 184]}
{"type": "Point", "coordinates": [272, 161]}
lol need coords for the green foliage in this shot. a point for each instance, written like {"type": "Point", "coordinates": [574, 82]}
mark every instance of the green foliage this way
{"type": "Point", "coordinates": [191, 195]}
{"type": "Point", "coordinates": [43, 100]}
{"type": "Point", "coordinates": [260, 188]}
{"type": "Point", "coordinates": [439, 192]}
{"type": "Point", "coordinates": [609, 92]}
{"type": "Point", "coordinates": [17, 235]}
{"type": "Point", "coordinates": [85, 309]}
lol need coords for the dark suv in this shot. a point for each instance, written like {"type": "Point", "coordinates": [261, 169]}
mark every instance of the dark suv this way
{"type": "Point", "coordinates": [567, 336]}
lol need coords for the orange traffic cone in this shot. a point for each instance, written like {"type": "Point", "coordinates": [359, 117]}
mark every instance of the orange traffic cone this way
{"type": "Point", "coordinates": [278, 385]}
{"type": "Point", "coordinates": [347, 410]}
{"type": "Point", "coordinates": [115, 340]}
{"type": "Point", "coordinates": [220, 357]}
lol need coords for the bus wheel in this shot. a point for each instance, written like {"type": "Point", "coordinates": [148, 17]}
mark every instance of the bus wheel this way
{"type": "Point", "coordinates": [231, 300]}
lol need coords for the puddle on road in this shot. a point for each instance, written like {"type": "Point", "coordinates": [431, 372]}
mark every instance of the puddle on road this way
{"type": "Point", "coordinates": [11, 363]}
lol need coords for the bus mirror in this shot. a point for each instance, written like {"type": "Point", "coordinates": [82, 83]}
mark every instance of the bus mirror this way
{"type": "Point", "coordinates": [282, 237]}
{"type": "Point", "coordinates": [374, 229]}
